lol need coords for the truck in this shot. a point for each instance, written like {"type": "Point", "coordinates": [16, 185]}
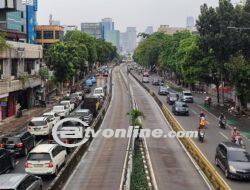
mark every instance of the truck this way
{"type": "Point", "coordinates": [93, 104]}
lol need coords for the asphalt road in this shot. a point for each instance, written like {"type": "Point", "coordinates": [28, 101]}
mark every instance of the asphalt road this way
{"type": "Point", "coordinates": [171, 165]}
{"type": "Point", "coordinates": [214, 135]}
{"type": "Point", "coordinates": [101, 167]}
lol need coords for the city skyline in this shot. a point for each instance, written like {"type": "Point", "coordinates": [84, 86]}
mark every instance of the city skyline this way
{"type": "Point", "coordinates": [173, 13]}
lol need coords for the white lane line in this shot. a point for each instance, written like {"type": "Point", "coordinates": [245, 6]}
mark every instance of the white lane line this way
{"type": "Point", "coordinates": [17, 162]}
{"type": "Point", "coordinates": [195, 112]}
{"type": "Point", "coordinates": [39, 142]}
{"type": "Point", "coordinates": [222, 134]}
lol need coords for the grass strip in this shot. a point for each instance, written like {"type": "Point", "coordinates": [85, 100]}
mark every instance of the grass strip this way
{"type": "Point", "coordinates": [138, 177]}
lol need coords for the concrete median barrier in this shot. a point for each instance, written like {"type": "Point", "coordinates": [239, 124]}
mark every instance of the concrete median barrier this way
{"type": "Point", "coordinates": [212, 175]}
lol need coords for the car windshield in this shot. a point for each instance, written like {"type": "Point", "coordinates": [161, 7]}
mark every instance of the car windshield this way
{"type": "Point", "coordinates": [238, 156]}
{"type": "Point", "coordinates": [180, 104]}
{"type": "Point", "coordinates": [39, 156]}
{"type": "Point", "coordinates": [37, 123]}
{"type": "Point", "coordinates": [12, 140]}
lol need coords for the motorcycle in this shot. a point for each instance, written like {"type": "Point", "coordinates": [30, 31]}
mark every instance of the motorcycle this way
{"type": "Point", "coordinates": [201, 135]}
{"type": "Point", "coordinates": [222, 124]}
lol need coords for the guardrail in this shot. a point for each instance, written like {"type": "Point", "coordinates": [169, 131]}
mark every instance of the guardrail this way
{"type": "Point", "coordinates": [215, 179]}
{"type": "Point", "coordinates": [76, 156]}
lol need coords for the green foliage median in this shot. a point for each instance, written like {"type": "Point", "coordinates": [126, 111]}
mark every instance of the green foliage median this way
{"type": "Point", "coordinates": [138, 177]}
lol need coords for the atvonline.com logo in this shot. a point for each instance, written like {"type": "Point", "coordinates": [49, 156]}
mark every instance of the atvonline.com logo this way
{"type": "Point", "coordinates": [80, 134]}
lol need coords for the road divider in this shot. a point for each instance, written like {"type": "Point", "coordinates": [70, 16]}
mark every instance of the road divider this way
{"type": "Point", "coordinates": [76, 156]}
{"type": "Point", "coordinates": [212, 175]}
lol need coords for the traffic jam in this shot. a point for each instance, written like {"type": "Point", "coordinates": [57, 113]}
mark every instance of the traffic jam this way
{"type": "Point", "coordinates": [32, 157]}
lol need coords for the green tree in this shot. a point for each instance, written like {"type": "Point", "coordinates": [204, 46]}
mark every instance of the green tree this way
{"type": "Point", "coordinates": [238, 69]}
{"type": "Point", "coordinates": [135, 114]}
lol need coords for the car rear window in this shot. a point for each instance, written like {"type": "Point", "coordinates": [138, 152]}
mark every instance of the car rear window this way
{"type": "Point", "coordinates": [39, 156]}
{"type": "Point", "coordinates": [12, 140]}
{"type": "Point", "coordinates": [187, 94]}
{"type": "Point", "coordinates": [37, 123]}
{"type": "Point", "coordinates": [238, 156]}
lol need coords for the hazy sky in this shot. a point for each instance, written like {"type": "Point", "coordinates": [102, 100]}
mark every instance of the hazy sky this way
{"type": "Point", "coordinates": [139, 13]}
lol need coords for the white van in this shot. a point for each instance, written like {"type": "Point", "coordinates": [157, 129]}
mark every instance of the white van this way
{"type": "Point", "coordinates": [99, 92]}
{"type": "Point", "coordinates": [45, 159]}
{"type": "Point", "coordinates": [61, 110]}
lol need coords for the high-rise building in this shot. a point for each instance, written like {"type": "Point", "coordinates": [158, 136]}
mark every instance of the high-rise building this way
{"type": "Point", "coordinates": [149, 30]}
{"type": "Point", "coordinates": [107, 25]}
{"type": "Point", "coordinates": [131, 38]}
{"type": "Point", "coordinates": [123, 42]}
{"type": "Point", "coordinates": [93, 29]}
{"type": "Point", "coordinates": [190, 23]}
{"type": "Point", "coordinates": [113, 37]}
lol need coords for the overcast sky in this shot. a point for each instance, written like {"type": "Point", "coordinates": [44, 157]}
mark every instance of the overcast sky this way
{"type": "Point", "coordinates": [139, 13]}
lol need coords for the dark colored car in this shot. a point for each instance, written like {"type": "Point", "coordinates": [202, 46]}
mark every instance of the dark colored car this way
{"type": "Point", "coordinates": [163, 91]}
{"type": "Point", "coordinates": [7, 160]}
{"type": "Point", "coordinates": [20, 182]}
{"type": "Point", "coordinates": [87, 89]}
{"type": "Point", "coordinates": [172, 98]}
{"type": "Point", "coordinates": [21, 143]}
{"type": "Point", "coordinates": [156, 82]}
{"type": "Point", "coordinates": [233, 160]}
{"type": "Point", "coordinates": [180, 108]}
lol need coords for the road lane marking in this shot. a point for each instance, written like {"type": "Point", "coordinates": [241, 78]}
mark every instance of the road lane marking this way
{"type": "Point", "coordinates": [195, 112]}
{"type": "Point", "coordinates": [39, 142]}
{"type": "Point", "coordinates": [224, 136]}
{"type": "Point", "coordinates": [17, 162]}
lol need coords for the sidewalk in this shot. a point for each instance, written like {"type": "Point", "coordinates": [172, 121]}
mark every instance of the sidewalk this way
{"type": "Point", "coordinates": [13, 124]}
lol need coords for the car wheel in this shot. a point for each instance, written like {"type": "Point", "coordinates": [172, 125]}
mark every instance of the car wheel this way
{"type": "Point", "coordinates": [227, 173]}
{"type": "Point", "coordinates": [216, 162]}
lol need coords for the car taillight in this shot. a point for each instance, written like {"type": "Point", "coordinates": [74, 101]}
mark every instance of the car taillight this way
{"type": "Point", "coordinates": [66, 141]}
{"type": "Point", "coordinates": [2, 145]}
{"type": "Point", "coordinates": [50, 164]}
{"type": "Point", "coordinates": [26, 164]}
{"type": "Point", "coordinates": [19, 145]}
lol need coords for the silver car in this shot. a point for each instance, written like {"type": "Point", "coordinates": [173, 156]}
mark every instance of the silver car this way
{"type": "Point", "coordinates": [20, 181]}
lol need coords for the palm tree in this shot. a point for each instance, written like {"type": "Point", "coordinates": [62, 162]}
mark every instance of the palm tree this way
{"type": "Point", "coordinates": [135, 114]}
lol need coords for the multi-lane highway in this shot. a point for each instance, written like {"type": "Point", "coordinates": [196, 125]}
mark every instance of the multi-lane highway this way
{"type": "Point", "coordinates": [214, 135]}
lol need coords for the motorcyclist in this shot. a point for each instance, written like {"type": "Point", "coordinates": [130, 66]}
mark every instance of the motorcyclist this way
{"type": "Point", "coordinates": [202, 114]}
{"type": "Point", "coordinates": [203, 123]}
{"type": "Point", "coordinates": [234, 134]}
{"type": "Point", "coordinates": [222, 119]}
{"type": "Point", "coordinates": [238, 138]}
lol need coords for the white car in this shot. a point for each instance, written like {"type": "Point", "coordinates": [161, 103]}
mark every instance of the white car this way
{"type": "Point", "coordinates": [99, 92]}
{"type": "Point", "coordinates": [52, 116]}
{"type": "Point", "coordinates": [68, 104]}
{"type": "Point", "coordinates": [187, 96]}
{"type": "Point", "coordinates": [45, 159]}
{"type": "Point", "coordinates": [145, 80]}
{"type": "Point", "coordinates": [79, 95]}
{"type": "Point", "coordinates": [40, 126]}
{"type": "Point", "coordinates": [61, 110]}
